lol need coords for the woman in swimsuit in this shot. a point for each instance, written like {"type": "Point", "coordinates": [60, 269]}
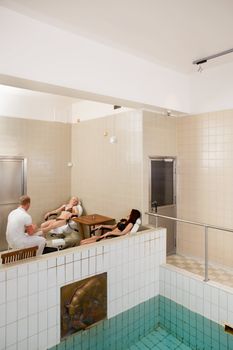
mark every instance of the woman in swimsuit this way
{"type": "Point", "coordinates": [66, 211]}
{"type": "Point", "coordinates": [123, 227]}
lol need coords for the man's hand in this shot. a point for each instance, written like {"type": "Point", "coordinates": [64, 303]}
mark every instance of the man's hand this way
{"type": "Point", "coordinates": [31, 229]}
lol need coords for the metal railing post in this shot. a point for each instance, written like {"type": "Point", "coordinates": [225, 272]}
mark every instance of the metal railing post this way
{"type": "Point", "coordinates": [206, 255]}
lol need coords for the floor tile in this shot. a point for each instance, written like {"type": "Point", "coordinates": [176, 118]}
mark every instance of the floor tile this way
{"type": "Point", "coordinates": [216, 273]}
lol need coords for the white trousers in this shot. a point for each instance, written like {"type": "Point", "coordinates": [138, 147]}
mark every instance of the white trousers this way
{"type": "Point", "coordinates": [29, 241]}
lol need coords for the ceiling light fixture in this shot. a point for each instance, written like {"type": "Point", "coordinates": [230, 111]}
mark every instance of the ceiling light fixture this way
{"type": "Point", "coordinates": [205, 59]}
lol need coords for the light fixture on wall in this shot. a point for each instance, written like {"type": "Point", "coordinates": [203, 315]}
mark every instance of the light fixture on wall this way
{"type": "Point", "coordinates": [200, 61]}
{"type": "Point", "coordinates": [113, 138]}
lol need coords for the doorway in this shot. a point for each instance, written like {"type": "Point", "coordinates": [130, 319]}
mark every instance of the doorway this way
{"type": "Point", "coordinates": [163, 196]}
{"type": "Point", "coordinates": [13, 185]}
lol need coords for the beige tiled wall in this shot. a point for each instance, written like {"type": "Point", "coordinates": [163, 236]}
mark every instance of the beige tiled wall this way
{"type": "Point", "coordinates": [159, 139]}
{"type": "Point", "coordinates": [113, 178]}
{"type": "Point", "coordinates": [106, 176]}
{"type": "Point", "coordinates": [205, 190]}
{"type": "Point", "coordinates": [46, 145]}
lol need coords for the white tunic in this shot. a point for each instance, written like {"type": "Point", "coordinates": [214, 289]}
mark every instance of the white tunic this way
{"type": "Point", "coordinates": [16, 236]}
{"type": "Point", "coordinates": [18, 219]}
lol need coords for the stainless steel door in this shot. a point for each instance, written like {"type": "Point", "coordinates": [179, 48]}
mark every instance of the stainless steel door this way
{"type": "Point", "coordinates": [12, 186]}
{"type": "Point", "coordinates": [163, 195]}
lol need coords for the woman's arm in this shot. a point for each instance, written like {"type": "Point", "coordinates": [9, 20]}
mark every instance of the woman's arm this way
{"type": "Point", "coordinates": [120, 233]}
{"type": "Point", "coordinates": [55, 211]}
{"type": "Point", "coordinates": [127, 229]}
{"type": "Point", "coordinates": [109, 227]}
{"type": "Point", "coordinates": [75, 210]}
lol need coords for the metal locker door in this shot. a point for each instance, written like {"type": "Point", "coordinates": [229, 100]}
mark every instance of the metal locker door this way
{"type": "Point", "coordinates": [163, 195]}
{"type": "Point", "coordinates": [12, 186]}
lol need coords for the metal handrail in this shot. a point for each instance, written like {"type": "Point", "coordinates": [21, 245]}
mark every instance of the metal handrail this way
{"type": "Point", "coordinates": [206, 226]}
{"type": "Point", "coordinates": [191, 222]}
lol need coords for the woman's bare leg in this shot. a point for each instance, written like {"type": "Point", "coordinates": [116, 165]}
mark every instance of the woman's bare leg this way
{"type": "Point", "coordinates": [47, 223]}
{"type": "Point", "coordinates": [53, 224]}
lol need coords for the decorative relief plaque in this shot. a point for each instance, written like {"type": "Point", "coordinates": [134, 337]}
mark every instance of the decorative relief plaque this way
{"type": "Point", "coordinates": [83, 304]}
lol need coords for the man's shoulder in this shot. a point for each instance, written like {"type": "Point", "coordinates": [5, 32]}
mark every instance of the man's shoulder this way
{"type": "Point", "coordinates": [18, 212]}
{"type": "Point", "coordinates": [15, 211]}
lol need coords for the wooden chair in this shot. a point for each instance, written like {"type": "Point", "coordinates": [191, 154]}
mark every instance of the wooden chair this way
{"type": "Point", "coordinates": [19, 254]}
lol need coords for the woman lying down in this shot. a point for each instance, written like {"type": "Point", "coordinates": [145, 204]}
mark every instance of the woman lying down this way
{"type": "Point", "coordinates": [123, 227]}
{"type": "Point", "coordinates": [65, 212]}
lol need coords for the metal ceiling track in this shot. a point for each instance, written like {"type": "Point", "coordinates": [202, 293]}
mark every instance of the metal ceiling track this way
{"type": "Point", "coordinates": [205, 59]}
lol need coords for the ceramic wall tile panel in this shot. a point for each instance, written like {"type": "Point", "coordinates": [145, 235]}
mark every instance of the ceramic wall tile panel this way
{"type": "Point", "coordinates": [205, 192]}
{"type": "Point", "coordinates": [46, 145]}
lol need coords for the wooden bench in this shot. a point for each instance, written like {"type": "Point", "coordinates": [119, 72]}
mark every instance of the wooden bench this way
{"type": "Point", "coordinates": [19, 254]}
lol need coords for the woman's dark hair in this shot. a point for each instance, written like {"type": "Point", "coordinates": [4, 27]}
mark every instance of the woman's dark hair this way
{"type": "Point", "coordinates": [134, 215]}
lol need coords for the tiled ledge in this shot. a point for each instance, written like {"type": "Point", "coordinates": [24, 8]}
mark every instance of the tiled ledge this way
{"type": "Point", "coordinates": [140, 235]}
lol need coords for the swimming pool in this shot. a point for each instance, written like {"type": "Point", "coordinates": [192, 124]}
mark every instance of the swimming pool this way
{"type": "Point", "coordinates": [158, 323]}
{"type": "Point", "coordinates": [159, 339]}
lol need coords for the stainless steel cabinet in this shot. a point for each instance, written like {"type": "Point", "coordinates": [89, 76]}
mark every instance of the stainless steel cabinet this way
{"type": "Point", "coordinates": [12, 186]}
{"type": "Point", "coordinates": [163, 195]}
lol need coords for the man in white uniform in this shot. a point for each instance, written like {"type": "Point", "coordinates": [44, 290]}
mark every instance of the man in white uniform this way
{"type": "Point", "coordinates": [20, 232]}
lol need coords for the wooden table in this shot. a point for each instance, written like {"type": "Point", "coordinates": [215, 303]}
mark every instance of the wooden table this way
{"type": "Point", "coordinates": [92, 220]}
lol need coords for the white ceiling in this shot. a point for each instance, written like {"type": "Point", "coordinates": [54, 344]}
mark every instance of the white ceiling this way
{"type": "Point", "coordinates": [169, 32]}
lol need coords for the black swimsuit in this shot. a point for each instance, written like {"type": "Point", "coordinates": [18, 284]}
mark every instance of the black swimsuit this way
{"type": "Point", "coordinates": [121, 225]}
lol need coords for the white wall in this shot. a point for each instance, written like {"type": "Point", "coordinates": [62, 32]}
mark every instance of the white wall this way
{"type": "Point", "coordinates": [39, 52]}
{"type": "Point", "coordinates": [108, 177]}
{"type": "Point", "coordinates": [27, 104]}
{"type": "Point", "coordinates": [212, 90]}
{"type": "Point", "coordinates": [85, 110]}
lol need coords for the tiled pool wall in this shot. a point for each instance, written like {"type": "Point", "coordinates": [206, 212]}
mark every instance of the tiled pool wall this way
{"type": "Point", "coordinates": [30, 291]}
{"type": "Point", "coordinates": [209, 299]}
{"type": "Point", "coordinates": [127, 328]}
{"type": "Point", "coordinates": [208, 306]}
{"type": "Point", "coordinates": [119, 332]}
{"type": "Point", "coordinates": [189, 308]}
{"type": "Point", "coordinates": [30, 297]}
{"type": "Point", "coordinates": [192, 329]}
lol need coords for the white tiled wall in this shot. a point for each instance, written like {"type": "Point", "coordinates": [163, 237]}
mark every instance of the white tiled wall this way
{"type": "Point", "coordinates": [108, 176]}
{"type": "Point", "coordinates": [204, 176]}
{"type": "Point", "coordinates": [46, 145]}
{"type": "Point", "coordinates": [30, 291]}
{"type": "Point", "coordinates": [209, 299]}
